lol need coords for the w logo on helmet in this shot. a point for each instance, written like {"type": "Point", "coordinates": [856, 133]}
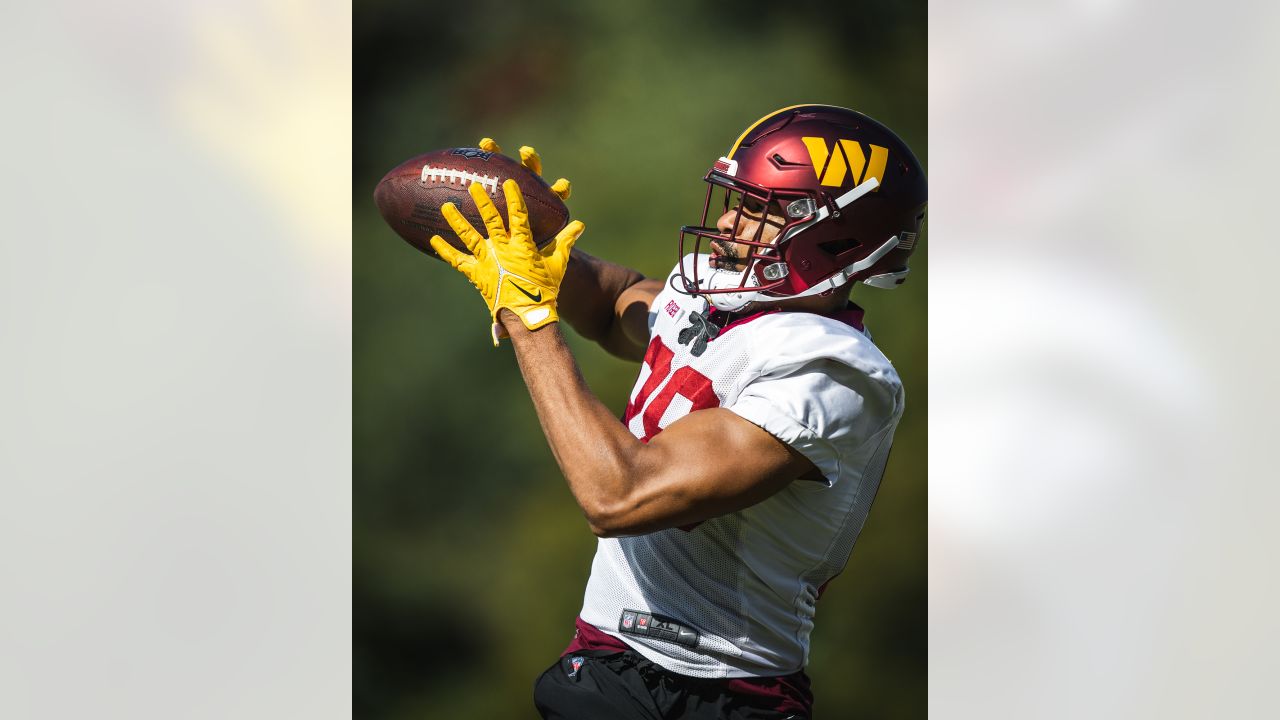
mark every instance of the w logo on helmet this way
{"type": "Point", "coordinates": [844, 156]}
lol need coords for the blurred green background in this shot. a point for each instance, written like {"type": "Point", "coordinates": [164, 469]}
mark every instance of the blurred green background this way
{"type": "Point", "coordinates": [470, 556]}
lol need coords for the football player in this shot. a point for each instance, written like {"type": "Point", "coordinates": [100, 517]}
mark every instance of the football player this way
{"type": "Point", "coordinates": [758, 429]}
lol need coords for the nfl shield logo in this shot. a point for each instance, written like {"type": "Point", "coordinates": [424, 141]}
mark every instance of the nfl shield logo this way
{"type": "Point", "coordinates": [472, 153]}
{"type": "Point", "coordinates": [628, 620]}
{"type": "Point", "coordinates": [575, 663]}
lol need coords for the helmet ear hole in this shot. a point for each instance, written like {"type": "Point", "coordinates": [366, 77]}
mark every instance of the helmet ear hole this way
{"type": "Point", "coordinates": [837, 247]}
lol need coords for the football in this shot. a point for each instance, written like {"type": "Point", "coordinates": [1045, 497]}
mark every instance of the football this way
{"type": "Point", "coordinates": [410, 195]}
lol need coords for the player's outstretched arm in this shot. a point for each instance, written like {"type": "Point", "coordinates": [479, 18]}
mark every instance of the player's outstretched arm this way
{"type": "Point", "coordinates": [708, 463]}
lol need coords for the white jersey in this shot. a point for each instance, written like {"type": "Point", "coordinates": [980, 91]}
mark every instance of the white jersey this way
{"type": "Point", "coordinates": [748, 582]}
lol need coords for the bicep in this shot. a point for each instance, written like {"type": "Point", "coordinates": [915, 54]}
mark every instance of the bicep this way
{"type": "Point", "coordinates": [608, 304]}
{"type": "Point", "coordinates": [630, 334]}
{"type": "Point", "coordinates": [707, 464]}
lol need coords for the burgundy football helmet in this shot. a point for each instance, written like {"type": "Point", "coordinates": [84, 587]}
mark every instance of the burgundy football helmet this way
{"type": "Point", "coordinates": [851, 194]}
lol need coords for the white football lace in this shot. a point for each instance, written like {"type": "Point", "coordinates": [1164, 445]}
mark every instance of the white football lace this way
{"type": "Point", "coordinates": [461, 177]}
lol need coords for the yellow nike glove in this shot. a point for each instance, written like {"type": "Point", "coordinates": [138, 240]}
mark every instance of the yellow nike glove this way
{"type": "Point", "coordinates": [530, 159]}
{"type": "Point", "coordinates": [507, 268]}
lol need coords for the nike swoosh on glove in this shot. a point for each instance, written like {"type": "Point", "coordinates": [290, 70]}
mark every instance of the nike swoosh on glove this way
{"type": "Point", "coordinates": [506, 267]}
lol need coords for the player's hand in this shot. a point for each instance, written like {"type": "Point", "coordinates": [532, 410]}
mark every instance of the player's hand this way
{"type": "Point", "coordinates": [530, 159]}
{"type": "Point", "coordinates": [506, 267]}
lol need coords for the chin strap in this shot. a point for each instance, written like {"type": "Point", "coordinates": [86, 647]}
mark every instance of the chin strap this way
{"type": "Point", "coordinates": [887, 281]}
{"type": "Point", "coordinates": [843, 276]}
{"type": "Point", "coordinates": [835, 281]}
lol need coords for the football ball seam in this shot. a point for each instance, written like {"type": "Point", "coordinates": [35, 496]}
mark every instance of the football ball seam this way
{"type": "Point", "coordinates": [461, 177]}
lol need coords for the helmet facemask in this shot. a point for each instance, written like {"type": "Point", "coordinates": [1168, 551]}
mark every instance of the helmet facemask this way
{"type": "Point", "coordinates": [731, 282]}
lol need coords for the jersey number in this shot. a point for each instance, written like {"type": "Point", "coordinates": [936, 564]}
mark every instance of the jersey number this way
{"type": "Point", "coordinates": [687, 382]}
